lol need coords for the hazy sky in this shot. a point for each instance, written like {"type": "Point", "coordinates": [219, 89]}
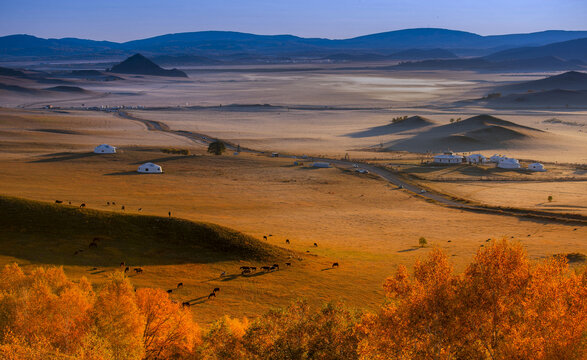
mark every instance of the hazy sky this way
{"type": "Point", "coordinates": [122, 20]}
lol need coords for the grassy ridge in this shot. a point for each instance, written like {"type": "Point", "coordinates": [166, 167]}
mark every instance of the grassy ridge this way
{"type": "Point", "coordinates": [52, 233]}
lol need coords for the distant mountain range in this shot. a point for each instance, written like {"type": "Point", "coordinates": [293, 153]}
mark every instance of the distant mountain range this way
{"type": "Point", "coordinates": [557, 49]}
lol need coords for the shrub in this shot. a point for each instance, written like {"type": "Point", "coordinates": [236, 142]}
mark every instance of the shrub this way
{"type": "Point", "coordinates": [217, 147]}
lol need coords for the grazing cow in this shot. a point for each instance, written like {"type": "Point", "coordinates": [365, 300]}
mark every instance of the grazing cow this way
{"type": "Point", "coordinates": [69, 202]}
{"type": "Point", "coordinates": [169, 291]}
{"type": "Point", "coordinates": [180, 285]}
{"type": "Point", "coordinates": [335, 264]}
{"type": "Point", "coordinates": [140, 209]}
{"type": "Point", "coordinates": [127, 269]}
{"type": "Point", "coordinates": [211, 295]}
{"type": "Point", "coordinates": [83, 205]}
{"type": "Point", "coordinates": [245, 268]}
{"type": "Point", "coordinates": [315, 245]}
{"type": "Point", "coordinates": [275, 266]}
{"type": "Point", "coordinates": [264, 237]}
{"type": "Point", "coordinates": [272, 268]}
{"type": "Point", "coordinates": [93, 245]}
{"type": "Point", "coordinates": [185, 304]}
{"type": "Point", "coordinates": [222, 273]}
{"type": "Point", "coordinates": [113, 203]}
{"type": "Point", "coordinates": [169, 213]}
{"type": "Point", "coordinates": [253, 268]}
{"type": "Point", "coordinates": [108, 203]}
{"type": "Point", "coordinates": [245, 271]}
{"type": "Point", "coordinates": [122, 207]}
{"type": "Point", "coordinates": [122, 264]}
{"type": "Point", "coordinates": [58, 202]}
{"type": "Point", "coordinates": [77, 252]}
{"type": "Point", "coordinates": [216, 290]}
{"type": "Point", "coordinates": [270, 235]}
{"type": "Point", "coordinates": [138, 270]}
{"type": "Point", "coordinates": [265, 268]}
{"type": "Point", "coordinates": [287, 241]}
{"type": "Point", "coordinates": [287, 264]}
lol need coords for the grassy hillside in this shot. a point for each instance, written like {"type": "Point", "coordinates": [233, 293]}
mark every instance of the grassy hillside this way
{"type": "Point", "coordinates": [52, 233]}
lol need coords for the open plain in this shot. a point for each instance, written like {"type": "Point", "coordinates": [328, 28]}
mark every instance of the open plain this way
{"type": "Point", "coordinates": [360, 221]}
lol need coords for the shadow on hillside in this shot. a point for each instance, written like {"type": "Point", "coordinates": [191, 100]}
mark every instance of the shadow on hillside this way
{"type": "Point", "coordinates": [165, 159]}
{"type": "Point", "coordinates": [63, 157]}
{"type": "Point", "coordinates": [410, 249]}
{"type": "Point", "coordinates": [123, 173]}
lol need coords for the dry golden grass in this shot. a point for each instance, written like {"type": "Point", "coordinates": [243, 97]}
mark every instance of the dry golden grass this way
{"type": "Point", "coordinates": [366, 225]}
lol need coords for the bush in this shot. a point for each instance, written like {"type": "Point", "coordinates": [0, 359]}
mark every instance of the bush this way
{"type": "Point", "coordinates": [175, 151]}
{"type": "Point", "coordinates": [217, 147]}
{"type": "Point", "coordinates": [422, 241]}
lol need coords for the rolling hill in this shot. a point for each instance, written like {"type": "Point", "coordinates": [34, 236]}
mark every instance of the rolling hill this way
{"type": "Point", "coordinates": [476, 133]}
{"type": "Point", "coordinates": [140, 65]}
{"type": "Point", "coordinates": [220, 44]}
{"type": "Point", "coordinates": [61, 230]}
{"type": "Point", "coordinates": [410, 124]}
{"type": "Point", "coordinates": [571, 80]}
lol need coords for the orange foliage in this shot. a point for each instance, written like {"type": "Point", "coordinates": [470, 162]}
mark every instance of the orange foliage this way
{"type": "Point", "coordinates": [502, 307]}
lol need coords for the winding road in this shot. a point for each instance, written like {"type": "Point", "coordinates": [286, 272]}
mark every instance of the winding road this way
{"type": "Point", "coordinates": [387, 175]}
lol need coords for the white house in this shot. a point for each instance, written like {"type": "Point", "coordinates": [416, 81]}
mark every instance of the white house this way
{"type": "Point", "coordinates": [536, 167]}
{"type": "Point", "coordinates": [508, 163]}
{"type": "Point", "coordinates": [476, 159]}
{"type": "Point", "coordinates": [448, 158]}
{"type": "Point", "coordinates": [104, 149]}
{"type": "Point", "coordinates": [150, 168]}
{"type": "Point", "coordinates": [496, 158]}
{"type": "Point", "coordinates": [321, 165]}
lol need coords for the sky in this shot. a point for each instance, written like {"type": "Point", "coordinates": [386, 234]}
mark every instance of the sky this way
{"type": "Point", "coordinates": [124, 20]}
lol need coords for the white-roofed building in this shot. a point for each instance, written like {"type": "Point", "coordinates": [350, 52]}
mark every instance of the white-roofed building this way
{"type": "Point", "coordinates": [150, 168]}
{"type": "Point", "coordinates": [104, 149]}
{"type": "Point", "coordinates": [536, 167]}
{"type": "Point", "coordinates": [448, 158]}
{"type": "Point", "coordinates": [508, 163]}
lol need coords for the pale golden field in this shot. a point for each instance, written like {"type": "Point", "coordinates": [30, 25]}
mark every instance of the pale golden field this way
{"type": "Point", "coordinates": [360, 221]}
{"type": "Point", "coordinates": [366, 225]}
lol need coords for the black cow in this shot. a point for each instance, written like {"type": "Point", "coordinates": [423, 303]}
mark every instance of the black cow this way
{"type": "Point", "coordinates": [83, 205]}
{"type": "Point", "coordinates": [211, 295]}
{"type": "Point", "coordinates": [93, 244]}
{"type": "Point", "coordinates": [58, 202]}
{"type": "Point", "coordinates": [169, 291]}
{"type": "Point", "coordinates": [185, 304]}
{"type": "Point", "coordinates": [266, 268]}
{"type": "Point", "coordinates": [335, 264]}
{"type": "Point", "coordinates": [138, 270]}
{"type": "Point", "coordinates": [127, 269]}
{"type": "Point", "coordinates": [245, 268]}
{"type": "Point", "coordinates": [253, 268]}
{"type": "Point", "coordinates": [287, 241]}
{"type": "Point", "coordinates": [287, 264]}
{"type": "Point", "coordinates": [216, 290]}
{"type": "Point", "coordinates": [315, 245]}
{"type": "Point", "coordinates": [180, 285]}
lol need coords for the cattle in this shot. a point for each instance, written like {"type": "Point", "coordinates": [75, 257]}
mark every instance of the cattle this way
{"type": "Point", "coordinates": [211, 295]}
{"type": "Point", "coordinates": [83, 205]}
{"type": "Point", "coordinates": [140, 209]}
{"type": "Point", "coordinates": [127, 269]}
{"type": "Point", "coordinates": [185, 304]}
{"type": "Point", "coordinates": [222, 273]}
{"type": "Point", "coordinates": [77, 252]}
{"type": "Point", "coordinates": [169, 291]}
{"type": "Point", "coordinates": [138, 270]}
{"type": "Point", "coordinates": [287, 241]}
{"type": "Point", "coordinates": [93, 245]}
{"type": "Point", "coordinates": [122, 208]}
{"type": "Point", "coordinates": [69, 202]}
{"type": "Point", "coordinates": [108, 203]}
{"type": "Point", "coordinates": [122, 264]}
{"type": "Point", "coordinates": [58, 202]}
{"type": "Point", "coordinates": [264, 237]}
{"type": "Point", "coordinates": [335, 264]}
{"type": "Point", "coordinates": [113, 203]}
{"type": "Point", "coordinates": [245, 268]}
{"type": "Point", "coordinates": [216, 290]}
{"type": "Point", "coordinates": [275, 266]}
{"type": "Point", "coordinates": [180, 285]}
{"type": "Point", "coordinates": [245, 271]}
{"type": "Point", "coordinates": [287, 264]}
{"type": "Point", "coordinates": [169, 213]}
{"type": "Point", "coordinates": [253, 268]}
{"type": "Point", "coordinates": [265, 268]}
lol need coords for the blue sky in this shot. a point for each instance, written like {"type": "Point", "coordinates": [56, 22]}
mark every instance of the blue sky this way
{"type": "Point", "coordinates": [122, 20]}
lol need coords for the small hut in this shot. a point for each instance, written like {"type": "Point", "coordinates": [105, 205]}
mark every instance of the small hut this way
{"type": "Point", "coordinates": [150, 168]}
{"type": "Point", "coordinates": [536, 167]}
{"type": "Point", "coordinates": [508, 163]}
{"type": "Point", "coordinates": [448, 158]}
{"type": "Point", "coordinates": [476, 159]}
{"type": "Point", "coordinates": [104, 149]}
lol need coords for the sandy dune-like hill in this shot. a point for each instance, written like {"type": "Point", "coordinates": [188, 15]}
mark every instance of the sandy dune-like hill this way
{"type": "Point", "coordinates": [68, 89]}
{"type": "Point", "coordinates": [409, 124]}
{"type": "Point", "coordinates": [17, 89]}
{"type": "Point", "coordinates": [473, 134]}
{"type": "Point", "coordinates": [571, 80]}
{"type": "Point", "coordinates": [140, 65]}
{"type": "Point", "coordinates": [549, 98]}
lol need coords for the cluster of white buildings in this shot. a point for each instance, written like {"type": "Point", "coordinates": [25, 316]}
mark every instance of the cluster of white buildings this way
{"type": "Point", "coordinates": [501, 161]}
{"type": "Point", "coordinates": [146, 168]}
